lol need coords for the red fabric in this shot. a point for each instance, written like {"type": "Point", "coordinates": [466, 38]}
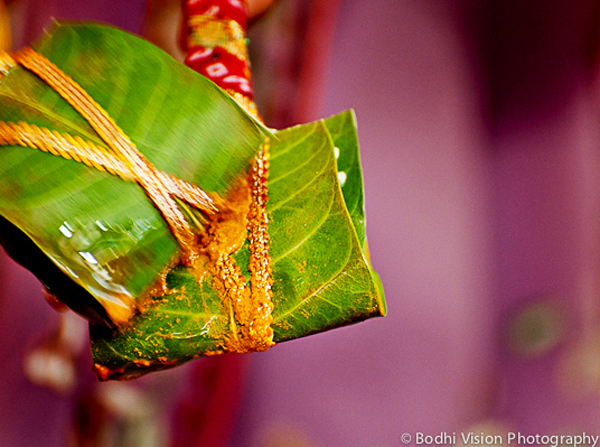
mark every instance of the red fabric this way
{"type": "Point", "coordinates": [224, 69]}
{"type": "Point", "coordinates": [221, 9]}
{"type": "Point", "coordinates": [221, 67]}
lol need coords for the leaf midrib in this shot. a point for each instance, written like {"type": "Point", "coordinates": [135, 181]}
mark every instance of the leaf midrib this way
{"type": "Point", "coordinates": [323, 286]}
{"type": "Point", "coordinates": [54, 117]}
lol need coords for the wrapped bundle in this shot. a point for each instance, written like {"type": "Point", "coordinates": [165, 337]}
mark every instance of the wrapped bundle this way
{"type": "Point", "coordinates": [146, 199]}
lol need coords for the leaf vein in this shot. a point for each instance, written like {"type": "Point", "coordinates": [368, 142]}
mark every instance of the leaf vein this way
{"type": "Point", "coordinates": [297, 168]}
{"type": "Point", "coordinates": [277, 154]}
{"type": "Point", "coordinates": [54, 117]}
{"type": "Point", "coordinates": [308, 236]}
{"type": "Point", "coordinates": [289, 198]}
{"type": "Point", "coordinates": [318, 290]}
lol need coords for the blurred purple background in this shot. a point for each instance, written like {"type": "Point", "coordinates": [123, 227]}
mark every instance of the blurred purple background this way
{"type": "Point", "coordinates": [479, 129]}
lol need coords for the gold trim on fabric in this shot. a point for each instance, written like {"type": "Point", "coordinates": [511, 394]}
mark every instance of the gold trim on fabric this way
{"type": "Point", "coordinates": [211, 32]}
{"type": "Point", "coordinates": [246, 103]}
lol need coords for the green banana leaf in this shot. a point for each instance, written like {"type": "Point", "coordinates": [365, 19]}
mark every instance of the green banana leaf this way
{"type": "Point", "coordinates": [104, 232]}
{"type": "Point", "coordinates": [92, 237]}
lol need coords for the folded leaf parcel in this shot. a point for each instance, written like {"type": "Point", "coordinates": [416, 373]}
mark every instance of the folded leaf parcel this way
{"type": "Point", "coordinates": [250, 307]}
{"type": "Point", "coordinates": [216, 46]}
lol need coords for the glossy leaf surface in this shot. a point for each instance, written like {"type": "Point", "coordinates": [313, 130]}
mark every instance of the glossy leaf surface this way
{"type": "Point", "coordinates": [102, 231]}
